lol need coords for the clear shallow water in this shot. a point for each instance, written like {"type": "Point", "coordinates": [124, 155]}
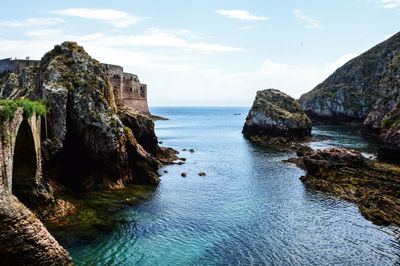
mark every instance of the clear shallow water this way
{"type": "Point", "coordinates": [250, 208]}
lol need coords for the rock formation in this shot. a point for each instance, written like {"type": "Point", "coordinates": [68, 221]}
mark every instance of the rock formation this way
{"type": "Point", "coordinates": [92, 139]}
{"type": "Point", "coordinates": [23, 238]}
{"type": "Point", "coordinates": [276, 118]}
{"type": "Point", "coordinates": [366, 91]}
{"type": "Point", "coordinates": [374, 186]}
{"type": "Point", "coordinates": [89, 139]}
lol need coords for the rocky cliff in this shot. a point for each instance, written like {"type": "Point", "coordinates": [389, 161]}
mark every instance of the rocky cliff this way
{"type": "Point", "coordinates": [276, 118]}
{"type": "Point", "coordinates": [366, 91]}
{"type": "Point", "coordinates": [90, 139]}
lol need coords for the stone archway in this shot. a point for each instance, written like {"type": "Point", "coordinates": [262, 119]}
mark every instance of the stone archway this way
{"type": "Point", "coordinates": [24, 161]}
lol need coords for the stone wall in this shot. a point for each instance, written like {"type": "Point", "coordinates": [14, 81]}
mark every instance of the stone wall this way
{"type": "Point", "coordinates": [28, 147]}
{"type": "Point", "coordinates": [24, 240]}
{"type": "Point", "coordinates": [115, 74]}
{"type": "Point", "coordinates": [134, 94]}
{"type": "Point", "coordinates": [128, 87]}
{"type": "Point", "coordinates": [16, 66]}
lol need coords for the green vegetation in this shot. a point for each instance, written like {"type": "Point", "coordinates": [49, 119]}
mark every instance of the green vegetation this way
{"type": "Point", "coordinates": [30, 107]}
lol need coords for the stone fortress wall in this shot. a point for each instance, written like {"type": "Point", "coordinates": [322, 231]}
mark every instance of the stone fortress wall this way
{"type": "Point", "coordinates": [127, 85]}
{"type": "Point", "coordinates": [129, 88]}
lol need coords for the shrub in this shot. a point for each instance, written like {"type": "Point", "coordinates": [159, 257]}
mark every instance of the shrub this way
{"type": "Point", "coordinates": [30, 107]}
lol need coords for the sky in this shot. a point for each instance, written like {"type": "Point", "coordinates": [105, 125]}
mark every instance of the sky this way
{"type": "Point", "coordinates": [208, 52]}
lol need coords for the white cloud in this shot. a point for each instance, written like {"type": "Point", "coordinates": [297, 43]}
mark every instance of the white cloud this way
{"type": "Point", "coordinates": [31, 22]}
{"type": "Point", "coordinates": [160, 39]}
{"type": "Point", "coordinates": [44, 33]}
{"type": "Point", "coordinates": [312, 24]}
{"type": "Point", "coordinates": [389, 3]}
{"type": "Point", "coordinates": [176, 32]}
{"type": "Point", "coordinates": [116, 18]}
{"type": "Point", "coordinates": [332, 66]}
{"type": "Point", "coordinates": [387, 36]}
{"type": "Point", "coordinates": [169, 75]}
{"type": "Point", "coordinates": [246, 28]}
{"type": "Point", "coordinates": [240, 14]}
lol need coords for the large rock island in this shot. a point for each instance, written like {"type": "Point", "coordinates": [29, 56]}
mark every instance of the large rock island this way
{"type": "Point", "coordinates": [366, 91]}
{"type": "Point", "coordinates": [276, 118]}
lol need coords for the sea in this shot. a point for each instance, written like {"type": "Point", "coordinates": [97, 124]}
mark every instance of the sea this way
{"type": "Point", "coordinates": [249, 209]}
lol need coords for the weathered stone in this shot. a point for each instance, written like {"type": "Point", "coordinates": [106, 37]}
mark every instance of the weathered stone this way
{"type": "Point", "coordinates": [276, 118]}
{"type": "Point", "coordinates": [374, 186]}
{"type": "Point", "coordinates": [23, 238]}
{"type": "Point", "coordinates": [92, 139]}
{"type": "Point", "coordinates": [366, 90]}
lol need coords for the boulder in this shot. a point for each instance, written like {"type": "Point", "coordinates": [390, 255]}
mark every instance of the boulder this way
{"type": "Point", "coordinates": [276, 118]}
{"type": "Point", "coordinates": [23, 238]}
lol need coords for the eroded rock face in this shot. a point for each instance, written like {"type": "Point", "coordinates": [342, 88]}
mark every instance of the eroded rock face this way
{"type": "Point", "coordinates": [276, 118]}
{"type": "Point", "coordinates": [23, 238]}
{"type": "Point", "coordinates": [366, 91]}
{"type": "Point", "coordinates": [92, 139]}
{"type": "Point", "coordinates": [374, 186]}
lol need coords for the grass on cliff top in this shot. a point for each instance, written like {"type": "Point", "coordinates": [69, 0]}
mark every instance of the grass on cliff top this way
{"type": "Point", "coordinates": [30, 107]}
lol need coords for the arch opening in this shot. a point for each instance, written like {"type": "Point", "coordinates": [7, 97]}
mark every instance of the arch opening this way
{"type": "Point", "coordinates": [24, 162]}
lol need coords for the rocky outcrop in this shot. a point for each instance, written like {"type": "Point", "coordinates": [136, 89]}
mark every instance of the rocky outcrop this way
{"type": "Point", "coordinates": [24, 239]}
{"type": "Point", "coordinates": [374, 186]}
{"type": "Point", "coordinates": [91, 139]}
{"type": "Point", "coordinates": [276, 118]}
{"type": "Point", "coordinates": [366, 91]}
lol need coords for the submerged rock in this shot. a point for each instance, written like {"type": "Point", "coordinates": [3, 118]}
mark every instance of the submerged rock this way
{"type": "Point", "coordinates": [374, 186]}
{"type": "Point", "coordinates": [366, 91]}
{"type": "Point", "coordinates": [276, 118]}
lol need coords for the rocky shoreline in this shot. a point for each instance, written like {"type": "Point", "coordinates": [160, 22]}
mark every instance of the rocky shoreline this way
{"type": "Point", "coordinates": [364, 91]}
{"type": "Point", "coordinates": [374, 186]}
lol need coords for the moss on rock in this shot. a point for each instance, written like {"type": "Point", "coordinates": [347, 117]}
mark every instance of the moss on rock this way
{"type": "Point", "coordinates": [373, 185]}
{"type": "Point", "coordinates": [276, 118]}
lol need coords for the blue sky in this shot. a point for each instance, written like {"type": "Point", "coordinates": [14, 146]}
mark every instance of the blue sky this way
{"type": "Point", "coordinates": [210, 53]}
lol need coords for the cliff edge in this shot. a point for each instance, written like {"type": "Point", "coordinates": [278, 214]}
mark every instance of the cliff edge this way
{"type": "Point", "coordinates": [366, 91]}
{"type": "Point", "coordinates": [91, 139]}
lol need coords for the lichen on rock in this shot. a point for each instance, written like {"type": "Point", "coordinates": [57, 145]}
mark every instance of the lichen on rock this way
{"type": "Point", "coordinates": [373, 185]}
{"type": "Point", "coordinates": [89, 140]}
{"type": "Point", "coordinates": [92, 139]}
{"type": "Point", "coordinates": [365, 91]}
{"type": "Point", "coordinates": [276, 118]}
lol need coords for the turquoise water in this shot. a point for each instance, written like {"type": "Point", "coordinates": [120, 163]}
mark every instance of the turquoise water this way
{"type": "Point", "coordinates": [250, 208]}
